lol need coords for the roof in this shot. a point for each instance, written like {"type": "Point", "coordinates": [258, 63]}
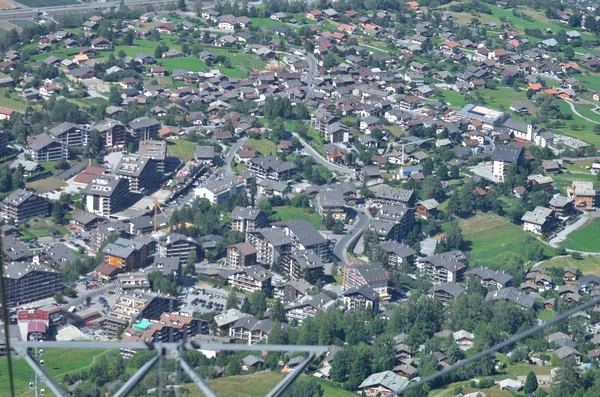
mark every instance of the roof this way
{"type": "Point", "coordinates": [245, 213]}
{"type": "Point", "coordinates": [363, 290]}
{"type": "Point", "coordinates": [41, 141]}
{"type": "Point", "coordinates": [103, 185]}
{"type": "Point", "coordinates": [396, 248]}
{"type": "Point", "coordinates": [205, 152]}
{"type": "Point", "coordinates": [387, 379]}
{"type": "Point", "coordinates": [484, 273]}
{"type": "Point", "coordinates": [19, 196]}
{"type": "Point", "coordinates": [506, 153]}
{"type": "Point", "coordinates": [244, 248]}
{"type": "Point", "coordinates": [538, 216]}
{"type": "Point", "coordinates": [304, 231]}
{"type": "Point", "coordinates": [448, 287]}
{"type": "Point", "coordinates": [511, 294]}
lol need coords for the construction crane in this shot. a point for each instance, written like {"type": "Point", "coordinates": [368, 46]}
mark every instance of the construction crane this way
{"type": "Point", "coordinates": [156, 209]}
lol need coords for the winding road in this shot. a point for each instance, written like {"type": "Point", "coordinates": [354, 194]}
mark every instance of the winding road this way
{"type": "Point", "coordinates": [322, 160]}
{"type": "Point", "coordinates": [360, 223]}
{"type": "Point", "coordinates": [574, 110]}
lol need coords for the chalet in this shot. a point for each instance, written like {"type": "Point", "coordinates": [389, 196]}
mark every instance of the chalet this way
{"type": "Point", "coordinates": [100, 43]}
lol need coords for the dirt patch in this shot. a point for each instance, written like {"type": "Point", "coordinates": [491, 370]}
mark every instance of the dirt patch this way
{"type": "Point", "coordinates": [5, 5]}
{"type": "Point", "coordinates": [481, 223]}
{"type": "Point", "coordinates": [5, 25]}
{"type": "Point", "coordinates": [46, 185]}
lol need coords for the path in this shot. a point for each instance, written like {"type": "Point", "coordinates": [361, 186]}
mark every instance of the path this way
{"type": "Point", "coordinates": [372, 47]}
{"type": "Point", "coordinates": [574, 110]}
{"type": "Point", "coordinates": [322, 160]}
{"type": "Point", "coordinates": [563, 234]}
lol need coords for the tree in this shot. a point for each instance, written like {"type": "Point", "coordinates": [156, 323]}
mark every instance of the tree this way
{"type": "Point", "coordinates": [253, 191]}
{"type": "Point", "coordinates": [328, 221]}
{"type": "Point", "coordinates": [234, 367]}
{"type": "Point", "coordinates": [427, 167]}
{"type": "Point", "coordinates": [305, 388]}
{"type": "Point", "coordinates": [531, 384]}
{"type": "Point", "coordinates": [190, 266]}
{"type": "Point", "coordinates": [454, 237]}
{"type": "Point", "coordinates": [338, 228]}
{"type": "Point", "coordinates": [58, 213]}
{"type": "Point", "coordinates": [232, 301]}
{"type": "Point", "coordinates": [567, 378]}
{"type": "Point", "coordinates": [59, 298]}
{"type": "Point", "coordinates": [258, 303]}
{"type": "Point", "coordinates": [181, 5]}
{"type": "Point", "coordinates": [454, 172]}
{"type": "Point", "coordinates": [569, 53]}
{"type": "Point", "coordinates": [115, 96]}
{"type": "Point", "coordinates": [301, 129]}
{"type": "Point", "coordinates": [278, 313]}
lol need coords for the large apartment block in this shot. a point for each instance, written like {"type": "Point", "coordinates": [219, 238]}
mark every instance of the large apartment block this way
{"type": "Point", "coordinates": [155, 151]}
{"type": "Point", "coordinates": [141, 172]}
{"type": "Point", "coordinates": [22, 205]}
{"type": "Point", "coordinates": [248, 219]}
{"type": "Point", "coordinates": [45, 148]}
{"type": "Point", "coordinates": [71, 134]}
{"type": "Point", "coordinates": [114, 134]}
{"type": "Point", "coordinates": [144, 128]}
{"type": "Point", "coordinates": [445, 267]}
{"type": "Point", "coordinates": [106, 195]}
{"type": "Point", "coordinates": [175, 245]}
{"type": "Point", "coordinates": [27, 282]}
{"type": "Point", "coordinates": [270, 245]}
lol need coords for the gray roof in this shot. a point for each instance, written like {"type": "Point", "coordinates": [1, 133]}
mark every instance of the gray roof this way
{"type": "Point", "coordinates": [506, 153]}
{"type": "Point", "coordinates": [538, 216]}
{"type": "Point", "coordinates": [520, 126]}
{"type": "Point", "coordinates": [363, 290]}
{"type": "Point", "coordinates": [245, 213]}
{"type": "Point", "coordinates": [275, 237]}
{"type": "Point", "coordinates": [513, 295]}
{"type": "Point", "coordinates": [451, 288]}
{"type": "Point", "coordinates": [270, 162]}
{"type": "Point", "coordinates": [62, 128]}
{"type": "Point", "coordinates": [396, 248]}
{"type": "Point", "coordinates": [144, 122]}
{"type": "Point", "coordinates": [103, 185]}
{"type": "Point", "coordinates": [251, 360]}
{"type": "Point", "coordinates": [317, 301]}
{"type": "Point", "coordinates": [372, 271]}
{"type": "Point", "coordinates": [229, 317]}
{"type": "Point", "coordinates": [386, 192]}
{"type": "Point", "coordinates": [304, 231]}
{"type": "Point", "coordinates": [307, 259]}
{"type": "Point", "coordinates": [131, 165]}
{"type": "Point", "coordinates": [41, 141]}
{"type": "Point", "coordinates": [18, 197]}
{"type": "Point", "coordinates": [560, 201]}
{"type": "Point", "coordinates": [484, 273]}
{"type": "Point", "coordinates": [451, 260]}
{"type": "Point", "coordinates": [85, 217]}
{"type": "Point", "coordinates": [16, 270]}
{"type": "Point", "coordinates": [61, 255]}
{"type": "Point", "coordinates": [387, 379]}
{"type": "Point", "coordinates": [333, 198]}
{"type": "Point", "coordinates": [205, 152]}
{"type": "Point", "coordinates": [106, 124]}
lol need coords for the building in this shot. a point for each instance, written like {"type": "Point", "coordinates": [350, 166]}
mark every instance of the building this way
{"type": "Point", "coordinates": [140, 171]}
{"type": "Point", "coordinates": [372, 275]}
{"type": "Point", "coordinates": [28, 282]}
{"type": "Point", "coordinates": [248, 219]}
{"type": "Point", "coordinates": [363, 297]}
{"type": "Point", "coordinates": [113, 133]}
{"type": "Point", "coordinates": [144, 128]}
{"type": "Point", "coordinates": [251, 330]}
{"type": "Point", "coordinates": [385, 383]}
{"type": "Point", "coordinates": [126, 254]}
{"type": "Point", "coordinates": [271, 168]}
{"type": "Point", "coordinates": [503, 157]}
{"type": "Point", "coordinates": [251, 279]}
{"type": "Point", "coordinates": [393, 222]}
{"type": "Point", "coordinates": [386, 194]}
{"type": "Point", "coordinates": [445, 267]}
{"type": "Point", "coordinates": [561, 205]}
{"type": "Point", "coordinates": [525, 132]}
{"type": "Point", "coordinates": [218, 190]}
{"type": "Point", "coordinates": [497, 279]}
{"type": "Point", "coordinates": [175, 245]}
{"type": "Point", "coordinates": [398, 255]}
{"type": "Point", "coordinates": [155, 151]}
{"type": "Point", "coordinates": [304, 236]}
{"type": "Point", "coordinates": [489, 117]}
{"type": "Point", "coordinates": [330, 202]}
{"type": "Point", "coordinates": [106, 195]}
{"type": "Point", "coordinates": [83, 221]}
{"type": "Point", "coordinates": [205, 154]}
{"type": "Point", "coordinates": [583, 195]}
{"type": "Point", "coordinates": [23, 205]}
{"type": "Point", "coordinates": [511, 294]}
{"type": "Point", "coordinates": [70, 134]}
{"type": "Point", "coordinates": [46, 148]}
{"type": "Point", "coordinates": [307, 307]}
{"type": "Point", "coordinates": [131, 281]}
{"type": "Point", "coordinates": [271, 245]}
{"type": "Point", "coordinates": [538, 221]}
{"type": "Point", "coordinates": [104, 230]}
{"type": "Point", "coordinates": [241, 255]}
{"type": "Point", "coordinates": [427, 208]}
{"type": "Point", "coordinates": [446, 291]}
{"type": "Point", "coordinates": [305, 264]}
{"type": "Point", "coordinates": [291, 291]}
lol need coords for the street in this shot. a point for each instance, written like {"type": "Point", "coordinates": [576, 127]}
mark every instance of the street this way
{"type": "Point", "coordinates": [360, 223]}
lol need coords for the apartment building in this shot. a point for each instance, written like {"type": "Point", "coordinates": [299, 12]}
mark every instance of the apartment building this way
{"type": "Point", "coordinates": [331, 202]}
{"type": "Point", "coordinates": [363, 297]}
{"type": "Point", "coordinates": [320, 119]}
{"type": "Point", "coordinates": [106, 195]}
{"type": "Point", "coordinates": [140, 171]}
{"type": "Point", "coordinates": [248, 219]}
{"type": "Point", "coordinates": [307, 307]}
{"type": "Point", "coordinates": [28, 282]}
{"type": "Point", "coordinates": [269, 167]}
{"type": "Point", "coordinates": [503, 157]}
{"type": "Point", "coordinates": [496, 279]}
{"type": "Point", "coordinates": [398, 255]}
{"type": "Point", "coordinates": [126, 254]}
{"type": "Point", "coordinates": [218, 190]}
{"type": "Point", "coordinates": [241, 255]}
{"type": "Point", "coordinates": [104, 230]}
{"type": "Point", "coordinates": [372, 275]}
{"type": "Point", "coordinates": [130, 281]}
{"type": "Point", "coordinates": [144, 129]}
{"type": "Point", "coordinates": [113, 133]}
{"type": "Point", "coordinates": [46, 148]}
{"type": "Point", "coordinates": [71, 134]}
{"type": "Point", "coordinates": [446, 291]}
{"type": "Point", "coordinates": [23, 205]}
{"type": "Point", "coordinates": [251, 330]}
{"type": "Point", "coordinates": [271, 245]}
{"type": "Point", "coordinates": [251, 279]}
{"type": "Point", "coordinates": [445, 267]}
{"type": "Point", "coordinates": [305, 236]}
{"type": "Point", "coordinates": [305, 264]}
{"type": "Point", "coordinates": [155, 151]}
{"type": "Point", "coordinates": [175, 245]}
{"type": "Point", "coordinates": [137, 304]}
{"type": "Point", "coordinates": [385, 194]}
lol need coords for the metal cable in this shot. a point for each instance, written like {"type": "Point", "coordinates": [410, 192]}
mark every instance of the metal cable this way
{"type": "Point", "coordinates": [4, 316]}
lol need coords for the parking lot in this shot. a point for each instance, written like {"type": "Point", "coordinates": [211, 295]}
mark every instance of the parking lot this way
{"type": "Point", "coordinates": [204, 298]}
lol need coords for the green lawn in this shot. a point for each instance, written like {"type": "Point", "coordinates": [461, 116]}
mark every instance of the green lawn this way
{"type": "Point", "coordinates": [12, 104]}
{"type": "Point", "coordinates": [491, 235]}
{"type": "Point", "coordinates": [587, 265]}
{"type": "Point", "coordinates": [585, 239]}
{"type": "Point", "coordinates": [287, 213]}
{"type": "Point", "coordinates": [561, 181]}
{"type": "Point", "coordinates": [191, 64]}
{"type": "Point", "coordinates": [264, 23]}
{"type": "Point", "coordinates": [546, 315]}
{"type": "Point", "coordinates": [43, 231]}
{"type": "Point", "coordinates": [264, 146]}
{"type": "Point", "coordinates": [181, 148]}
{"type": "Point", "coordinates": [315, 140]}
{"type": "Point", "coordinates": [585, 131]}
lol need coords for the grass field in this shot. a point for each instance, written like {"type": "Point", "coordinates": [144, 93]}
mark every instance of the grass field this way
{"type": "Point", "coordinates": [586, 239]}
{"type": "Point", "coordinates": [181, 148]}
{"type": "Point", "coordinates": [491, 235]}
{"type": "Point", "coordinates": [12, 104]}
{"type": "Point", "coordinates": [316, 141]}
{"type": "Point", "coordinates": [58, 362]}
{"type": "Point", "coordinates": [587, 265]}
{"type": "Point", "coordinates": [286, 213]}
{"type": "Point", "coordinates": [561, 181]}
{"type": "Point", "coordinates": [585, 131]}
{"type": "Point", "coordinates": [264, 146]}
{"type": "Point", "coordinates": [264, 23]}
{"type": "Point", "coordinates": [546, 315]}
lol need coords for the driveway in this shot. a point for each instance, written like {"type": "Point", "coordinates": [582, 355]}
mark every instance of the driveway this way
{"type": "Point", "coordinates": [563, 234]}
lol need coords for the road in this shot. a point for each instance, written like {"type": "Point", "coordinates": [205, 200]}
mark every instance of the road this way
{"type": "Point", "coordinates": [73, 8]}
{"type": "Point", "coordinates": [92, 293]}
{"type": "Point", "coordinates": [233, 151]}
{"type": "Point", "coordinates": [322, 160]}
{"type": "Point", "coordinates": [574, 110]}
{"type": "Point", "coordinates": [360, 223]}
{"type": "Point", "coordinates": [563, 234]}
